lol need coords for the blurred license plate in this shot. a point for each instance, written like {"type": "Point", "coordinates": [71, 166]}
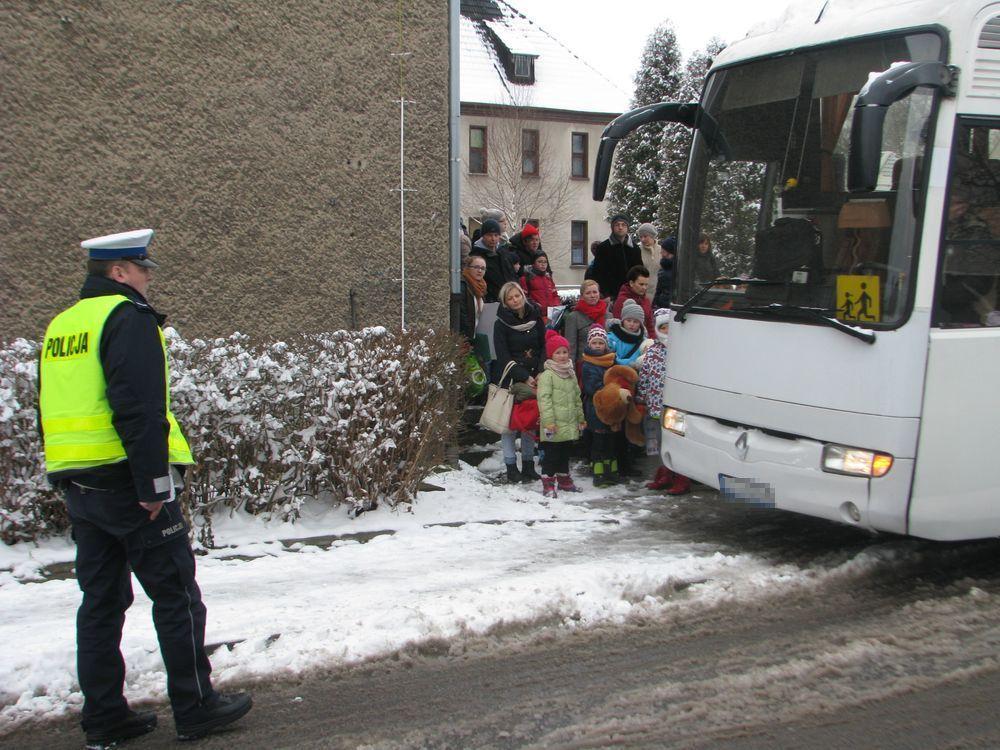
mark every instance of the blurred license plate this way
{"type": "Point", "coordinates": [748, 491]}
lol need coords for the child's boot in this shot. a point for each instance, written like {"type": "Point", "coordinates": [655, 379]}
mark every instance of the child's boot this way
{"type": "Point", "coordinates": [513, 475]}
{"type": "Point", "coordinates": [549, 486]}
{"type": "Point", "coordinates": [566, 483]}
{"type": "Point", "coordinates": [528, 473]}
{"type": "Point", "coordinates": [680, 485]}
{"type": "Point", "coordinates": [663, 479]}
{"type": "Point", "coordinates": [599, 470]}
{"type": "Point", "coordinates": [612, 471]}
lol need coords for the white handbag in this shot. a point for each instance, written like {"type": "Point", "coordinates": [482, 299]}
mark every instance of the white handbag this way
{"type": "Point", "coordinates": [499, 403]}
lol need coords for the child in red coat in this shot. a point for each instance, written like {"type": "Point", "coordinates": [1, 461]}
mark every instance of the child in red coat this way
{"type": "Point", "coordinates": [539, 286]}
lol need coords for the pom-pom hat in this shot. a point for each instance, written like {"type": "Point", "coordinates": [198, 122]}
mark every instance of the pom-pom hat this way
{"type": "Point", "coordinates": [528, 230]}
{"type": "Point", "coordinates": [596, 332]}
{"type": "Point", "coordinates": [553, 341]}
{"type": "Point", "coordinates": [130, 246]}
{"type": "Point", "coordinates": [662, 315]}
{"type": "Point", "coordinates": [632, 309]}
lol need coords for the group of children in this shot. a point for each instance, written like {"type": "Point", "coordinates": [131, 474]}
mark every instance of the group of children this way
{"type": "Point", "coordinates": [613, 399]}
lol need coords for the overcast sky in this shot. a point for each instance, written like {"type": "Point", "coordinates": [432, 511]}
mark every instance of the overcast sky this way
{"type": "Point", "coordinates": [611, 36]}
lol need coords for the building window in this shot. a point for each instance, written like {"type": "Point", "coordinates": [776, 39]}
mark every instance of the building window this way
{"type": "Point", "coordinates": [578, 166]}
{"type": "Point", "coordinates": [522, 66]}
{"type": "Point", "coordinates": [578, 243]}
{"type": "Point", "coordinates": [477, 149]}
{"type": "Point", "coordinates": [529, 153]}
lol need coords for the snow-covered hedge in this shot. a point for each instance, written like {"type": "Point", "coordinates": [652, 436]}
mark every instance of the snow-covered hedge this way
{"type": "Point", "coordinates": [357, 418]}
{"type": "Point", "coordinates": [28, 506]}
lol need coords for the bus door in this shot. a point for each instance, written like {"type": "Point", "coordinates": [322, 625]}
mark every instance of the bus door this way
{"type": "Point", "coordinates": [956, 487]}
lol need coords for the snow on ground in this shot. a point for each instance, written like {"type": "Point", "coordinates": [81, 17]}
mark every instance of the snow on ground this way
{"type": "Point", "coordinates": [465, 560]}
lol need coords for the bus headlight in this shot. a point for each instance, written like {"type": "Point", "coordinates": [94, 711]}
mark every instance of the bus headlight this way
{"type": "Point", "coordinates": [857, 462]}
{"type": "Point", "coordinates": [673, 420]}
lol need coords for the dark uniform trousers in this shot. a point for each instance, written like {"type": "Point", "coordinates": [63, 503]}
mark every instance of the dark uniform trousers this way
{"type": "Point", "coordinates": [113, 534]}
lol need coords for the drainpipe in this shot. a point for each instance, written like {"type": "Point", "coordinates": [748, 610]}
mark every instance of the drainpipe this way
{"type": "Point", "coordinates": [454, 112]}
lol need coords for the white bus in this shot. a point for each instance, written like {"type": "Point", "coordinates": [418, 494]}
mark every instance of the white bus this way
{"type": "Point", "coordinates": [844, 361]}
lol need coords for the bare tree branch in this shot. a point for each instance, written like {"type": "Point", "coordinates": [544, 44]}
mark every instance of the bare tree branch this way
{"type": "Point", "coordinates": [546, 196]}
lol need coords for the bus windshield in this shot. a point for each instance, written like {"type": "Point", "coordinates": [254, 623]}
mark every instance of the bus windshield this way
{"type": "Point", "coordinates": [766, 200]}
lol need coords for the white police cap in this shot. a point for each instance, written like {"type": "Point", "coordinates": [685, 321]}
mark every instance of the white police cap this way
{"type": "Point", "coordinates": [130, 246]}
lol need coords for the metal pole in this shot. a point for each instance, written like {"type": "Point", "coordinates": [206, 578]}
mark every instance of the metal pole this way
{"type": "Point", "coordinates": [402, 217]}
{"type": "Point", "coordinates": [454, 122]}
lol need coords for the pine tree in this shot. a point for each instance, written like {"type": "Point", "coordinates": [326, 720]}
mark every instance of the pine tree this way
{"type": "Point", "coordinates": [675, 142]}
{"type": "Point", "coordinates": [732, 189]}
{"type": "Point", "coordinates": [638, 161]}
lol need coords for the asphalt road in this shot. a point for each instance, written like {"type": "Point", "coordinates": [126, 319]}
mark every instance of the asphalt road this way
{"type": "Point", "coordinates": [901, 654]}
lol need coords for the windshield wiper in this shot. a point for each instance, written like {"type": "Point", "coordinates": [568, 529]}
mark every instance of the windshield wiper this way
{"type": "Point", "coordinates": [684, 309]}
{"type": "Point", "coordinates": [813, 314]}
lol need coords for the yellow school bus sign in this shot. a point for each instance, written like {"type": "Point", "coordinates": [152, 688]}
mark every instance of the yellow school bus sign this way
{"type": "Point", "coordinates": [858, 299]}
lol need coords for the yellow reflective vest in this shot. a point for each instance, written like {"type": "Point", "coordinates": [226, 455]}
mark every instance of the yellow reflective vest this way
{"type": "Point", "coordinates": [76, 417]}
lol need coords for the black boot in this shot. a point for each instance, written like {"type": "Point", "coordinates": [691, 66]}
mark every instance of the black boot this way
{"type": "Point", "coordinates": [132, 725]}
{"type": "Point", "coordinates": [528, 473]}
{"type": "Point", "coordinates": [214, 714]}
{"type": "Point", "coordinates": [513, 475]}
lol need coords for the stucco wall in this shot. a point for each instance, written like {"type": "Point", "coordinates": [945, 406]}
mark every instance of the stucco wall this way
{"type": "Point", "coordinates": [259, 139]}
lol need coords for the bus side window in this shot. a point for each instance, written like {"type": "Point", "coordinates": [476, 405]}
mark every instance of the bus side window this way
{"type": "Point", "coordinates": [967, 289]}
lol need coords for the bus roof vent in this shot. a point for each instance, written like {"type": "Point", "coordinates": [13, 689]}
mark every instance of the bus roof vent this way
{"type": "Point", "coordinates": [986, 64]}
{"type": "Point", "coordinates": [990, 37]}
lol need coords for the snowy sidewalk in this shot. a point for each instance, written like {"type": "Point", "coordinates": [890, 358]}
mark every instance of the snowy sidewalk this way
{"type": "Point", "coordinates": [469, 559]}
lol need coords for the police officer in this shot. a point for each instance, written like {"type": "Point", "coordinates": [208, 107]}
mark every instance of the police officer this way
{"type": "Point", "coordinates": [116, 451]}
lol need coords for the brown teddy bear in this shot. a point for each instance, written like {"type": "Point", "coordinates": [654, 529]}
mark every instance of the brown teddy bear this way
{"type": "Point", "coordinates": [615, 405]}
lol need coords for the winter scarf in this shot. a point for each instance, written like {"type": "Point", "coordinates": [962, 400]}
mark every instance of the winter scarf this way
{"type": "Point", "coordinates": [565, 370]}
{"type": "Point", "coordinates": [596, 313]}
{"type": "Point", "coordinates": [627, 336]}
{"type": "Point", "coordinates": [522, 327]}
{"type": "Point", "coordinates": [478, 286]}
{"type": "Point", "coordinates": [601, 360]}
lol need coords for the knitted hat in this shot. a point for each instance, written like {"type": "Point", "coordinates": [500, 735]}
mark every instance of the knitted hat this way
{"type": "Point", "coordinates": [553, 341]}
{"type": "Point", "coordinates": [646, 229]}
{"type": "Point", "coordinates": [661, 316]}
{"type": "Point", "coordinates": [619, 217]}
{"type": "Point", "coordinates": [596, 332]}
{"type": "Point", "coordinates": [669, 244]}
{"type": "Point", "coordinates": [491, 213]}
{"type": "Point", "coordinates": [527, 230]}
{"type": "Point", "coordinates": [632, 309]}
{"type": "Point", "coordinates": [491, 226]}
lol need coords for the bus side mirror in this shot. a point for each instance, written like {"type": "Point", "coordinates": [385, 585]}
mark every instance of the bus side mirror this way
{"type": "Point", "coordinates": [621, 126]}
{"type": "Point", "coordinates": [899, 81]}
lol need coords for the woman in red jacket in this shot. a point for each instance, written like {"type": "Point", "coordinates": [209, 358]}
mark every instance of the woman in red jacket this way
{"type": "Point", "coordinates": [538, 285]}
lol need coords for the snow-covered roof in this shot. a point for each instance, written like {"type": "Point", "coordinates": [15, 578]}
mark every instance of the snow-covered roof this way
{"type": "Point", "coordinates": [493, 29]}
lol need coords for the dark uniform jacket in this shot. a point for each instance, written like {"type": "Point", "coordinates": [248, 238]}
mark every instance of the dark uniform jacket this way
{"type": "Point", "coordinates": [612, 261]}
{"type": "Point", "coordinates": [132, 358]}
